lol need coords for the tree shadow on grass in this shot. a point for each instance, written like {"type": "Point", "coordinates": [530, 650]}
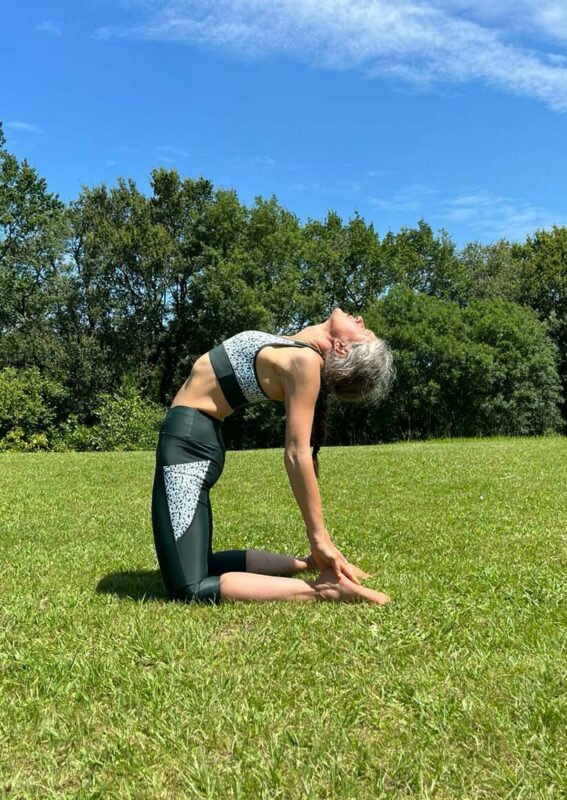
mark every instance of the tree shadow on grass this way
{"type": "Point", "coordinates": [141, 585]}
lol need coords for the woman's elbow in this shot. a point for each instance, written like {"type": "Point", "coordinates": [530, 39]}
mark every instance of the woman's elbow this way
{"type": "Point", "coordinates": [295, 455]}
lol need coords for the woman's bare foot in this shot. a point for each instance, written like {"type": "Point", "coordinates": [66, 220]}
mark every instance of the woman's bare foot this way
{"type": "Point", "coordinates": [329, 587]}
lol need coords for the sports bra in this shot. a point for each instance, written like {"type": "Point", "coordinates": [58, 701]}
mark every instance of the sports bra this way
{"type": "Point", "coordinates": [234, 364]}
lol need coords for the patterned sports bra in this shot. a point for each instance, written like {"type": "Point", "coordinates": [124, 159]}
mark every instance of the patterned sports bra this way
{"type": "Point", "coordinates": [234, 364]}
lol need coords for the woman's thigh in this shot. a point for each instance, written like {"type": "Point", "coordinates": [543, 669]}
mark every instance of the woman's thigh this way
{"type": "Point", "coordinates": [181, 524]}
{"type": "Point", "coordinates": [186, 468]}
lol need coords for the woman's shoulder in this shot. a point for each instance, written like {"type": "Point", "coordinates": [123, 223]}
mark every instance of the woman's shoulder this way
{"type": "Point", "coordinates": [296, 363]}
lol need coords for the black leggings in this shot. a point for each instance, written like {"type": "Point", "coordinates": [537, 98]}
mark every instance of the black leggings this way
{"type": "Point", "coordinates": [189, 461]}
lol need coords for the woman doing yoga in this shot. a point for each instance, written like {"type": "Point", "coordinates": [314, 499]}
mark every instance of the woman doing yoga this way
{"type": "Point", "coordinates": [340, 356]}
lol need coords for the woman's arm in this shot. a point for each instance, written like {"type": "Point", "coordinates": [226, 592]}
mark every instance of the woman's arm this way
{"type": "Point", "coordinates": [301, 385]}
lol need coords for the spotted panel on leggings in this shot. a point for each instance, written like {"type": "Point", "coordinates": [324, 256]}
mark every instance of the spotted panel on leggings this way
{"type": "Point", "coordinates": [183, 483]}
{"type": "Point", "coordinates": [241, 350]}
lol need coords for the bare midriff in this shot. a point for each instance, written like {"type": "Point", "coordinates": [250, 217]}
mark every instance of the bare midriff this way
{"type": "Point", "coordinates": [201, 390]}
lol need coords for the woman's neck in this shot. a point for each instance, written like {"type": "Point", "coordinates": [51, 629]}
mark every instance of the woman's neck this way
{"type": "Point", "coordinates": [316, 335]}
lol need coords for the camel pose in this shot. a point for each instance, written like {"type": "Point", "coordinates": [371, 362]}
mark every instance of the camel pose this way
{"type": "Point", "coordinates": [339, 356]}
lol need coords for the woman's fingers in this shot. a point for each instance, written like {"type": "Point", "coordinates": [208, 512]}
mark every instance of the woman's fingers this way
{"type": "Point", "coordinates": [360, 573]}
{"type": "Point", "coordinates": [327, 556]}
{"type": "Point", "coordinates": [354, 570]}
{"type": "Point", "coordinates": [347, 570]}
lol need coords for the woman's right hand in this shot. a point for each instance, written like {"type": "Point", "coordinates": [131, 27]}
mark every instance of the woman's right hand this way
{"type": "Point", "coordinates": [327, 556]}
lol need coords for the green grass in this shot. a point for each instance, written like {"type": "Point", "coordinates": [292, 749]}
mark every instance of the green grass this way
{"type": "Point", "coordinates": [455, 690]}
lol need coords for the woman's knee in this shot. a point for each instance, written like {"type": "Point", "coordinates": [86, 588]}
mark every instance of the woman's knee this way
{"type": "Point", "coordinates": [204, 591]}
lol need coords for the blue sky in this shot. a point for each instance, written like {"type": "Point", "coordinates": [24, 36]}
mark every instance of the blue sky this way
{"type": "Point", "coordinates": [447, 110]}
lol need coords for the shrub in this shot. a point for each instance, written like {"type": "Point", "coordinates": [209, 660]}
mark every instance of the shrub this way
{"type": "Point", "coordinates": [125, 422]}
{"type": "Point", "coordinates": [523, 389]}
{"type": "Point", "coordinates": [29, 404]}
{"type": "Point", "coordinates": [479, 371]}
{"type": "Point", "coordinates": [16, 441]}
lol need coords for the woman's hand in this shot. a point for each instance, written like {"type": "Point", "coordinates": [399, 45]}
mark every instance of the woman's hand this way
{"type": "Point", "coordinates": [325, 555]}
{"type": "Point", "coordinates": [356, 571]}
{"type": "Point", "coordinates": [359, 573]}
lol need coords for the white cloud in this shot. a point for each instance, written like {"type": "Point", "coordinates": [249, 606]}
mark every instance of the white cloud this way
{"type": "Point", "coordinates": [50, 27]}
{"type": "Point", "coordinates": [496, 217]}
{"type": "Point", "coordinates": [546, 18]}
{"type": "Point", "coordinates": [433, 41]}
{"type": "Point", "coordinates": [487, 215]}
{"type": "Point", "coordinates": [551, 19]}
{"type": "Point", "coordinates": [24, 127]}
{"type": "Point", "coordinates": [408, 198]}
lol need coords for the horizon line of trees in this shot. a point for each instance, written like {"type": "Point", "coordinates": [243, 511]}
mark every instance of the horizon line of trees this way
{"type": "Point", "coordinates": [106, 302]}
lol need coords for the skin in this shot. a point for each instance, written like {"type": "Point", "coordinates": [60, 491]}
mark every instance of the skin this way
{"type": "Point", "coordinates": [293, 376]}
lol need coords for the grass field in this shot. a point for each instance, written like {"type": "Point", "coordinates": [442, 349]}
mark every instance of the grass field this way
{"type": "Point", "coordinates": [457, 689]}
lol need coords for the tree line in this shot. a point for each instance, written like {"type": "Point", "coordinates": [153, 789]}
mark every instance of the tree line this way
{"type": "Point", "coordinates": [106, 302]}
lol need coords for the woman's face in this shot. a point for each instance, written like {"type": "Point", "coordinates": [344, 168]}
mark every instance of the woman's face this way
{"type": "Point", "coordinates": [348, 328]}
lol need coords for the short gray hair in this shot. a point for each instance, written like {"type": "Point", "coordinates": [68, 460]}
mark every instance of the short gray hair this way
{"type": "Point", "coordinates": [365, 372]}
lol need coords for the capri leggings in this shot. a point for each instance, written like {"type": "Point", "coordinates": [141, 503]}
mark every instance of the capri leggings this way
{"type": "Point", "coordinates": [189, 460]}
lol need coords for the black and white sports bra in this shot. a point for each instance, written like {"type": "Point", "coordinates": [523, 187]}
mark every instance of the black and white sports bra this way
{"type": "Point", "coordinates": [234, 364]}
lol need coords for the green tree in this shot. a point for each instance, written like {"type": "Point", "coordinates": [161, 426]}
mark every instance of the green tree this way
{"type": "Point", "coordinates": [522, 387]}
{"type": "Point", "coordinates": [542, 262]}
{"type": "Point", "coordinates": [477, 371]}
{"type": "Point", "coordinates": [205, 226]}
{"type": "Point", "coordinates": [120, 259]}
{"type": "Point", "coordinates": [343, 265]}
{"type": "Point", "coordinates": [426, 263]}
{"type": "Point", "coordinates": [493, 271]}
{"type": "Point", "coordinates": [32, 238]}
{"type": "Point", "coordinates": [272, 252]}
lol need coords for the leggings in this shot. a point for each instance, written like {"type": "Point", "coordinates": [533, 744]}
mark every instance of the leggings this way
{"type": "Point", "coordinates": [189, 460]}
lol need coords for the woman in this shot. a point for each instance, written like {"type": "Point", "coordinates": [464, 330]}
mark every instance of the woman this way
{"type": "Point", "coordinates": [339, 355]}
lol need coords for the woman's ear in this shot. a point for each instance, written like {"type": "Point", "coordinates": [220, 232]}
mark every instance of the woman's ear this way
{"type": "Point", "coordinates": [339, 347]}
